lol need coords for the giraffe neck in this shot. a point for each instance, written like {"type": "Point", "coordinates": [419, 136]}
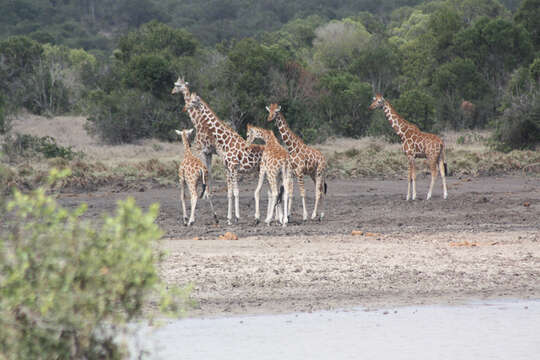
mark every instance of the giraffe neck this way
{"type": "Point", "coordinates": [399, 124]}
{"type": "Point", "coordinates": [269, 138]}
{"type": "Point", "coordinates": [185, 140]}
{"type": "Point", "coordinates": [290, 139]}
{"type": "Point", "coordinates": [221, 132]}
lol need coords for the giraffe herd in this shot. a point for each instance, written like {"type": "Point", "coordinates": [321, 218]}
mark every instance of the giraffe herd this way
{"type": "Point", "coordinates": [293, 159]}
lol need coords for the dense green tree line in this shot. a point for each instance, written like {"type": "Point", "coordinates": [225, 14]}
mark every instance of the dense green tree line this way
{"type": "Point", "coordinates": [450, 64]}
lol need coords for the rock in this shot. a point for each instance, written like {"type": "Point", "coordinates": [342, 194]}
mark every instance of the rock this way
{"type": "Point", "coordinates": [228, 236]}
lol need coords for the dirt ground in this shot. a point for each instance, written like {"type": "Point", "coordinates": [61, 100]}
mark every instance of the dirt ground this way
{"type": "Point", "coordinates": [482, 242]}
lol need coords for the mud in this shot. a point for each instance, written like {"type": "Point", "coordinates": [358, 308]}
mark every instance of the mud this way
{"type": "Point", "coordinates": [482, 242]}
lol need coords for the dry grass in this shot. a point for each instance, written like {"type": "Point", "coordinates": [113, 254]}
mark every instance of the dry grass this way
{"type": "Point", "coordinates": [69, 131]}
{"type": "Point", "coordinates": [157, 161]}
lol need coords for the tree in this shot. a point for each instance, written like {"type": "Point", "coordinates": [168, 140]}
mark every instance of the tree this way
{"type": "Point", "coordinates": [345, 103]}
{"type": "Point", "coordinates": [19, 58]}
{"type": "Point", "coordinates": [156, 38]}
{"type": "Point", "coordinates": [454, 82]}
{"type": "Point", "coordinates": [527, 15]}
{"type": "Point", "coordinates": [418, 107]}
{"type": "Point", "coordinates": [337, 44]}
{"type": "Point", "coordinates": [248, 80]}
{"type": "Point", "coordinates": [378, 64]}
{"type": "Point", "coordinates": [443, 25]}
{"type": "Point", "coordinates": [497, 47]}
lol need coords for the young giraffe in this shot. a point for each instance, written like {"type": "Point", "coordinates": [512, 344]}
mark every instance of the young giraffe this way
{"type": "Point", "coordinates": [304, 160]}
{"type": "Point", "coordinates": [416, 144]}
{"type": "Point", "coordinates": [275, 159]}
{"type": "Point", "coordinates": [203, 139]}
{"type": "Point", "coordinates": [236, 154]}
{"type": "Point", "coordinates": [191, 171]}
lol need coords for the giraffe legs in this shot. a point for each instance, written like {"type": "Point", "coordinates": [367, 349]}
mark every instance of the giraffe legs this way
{"type": "Point", "coordinates": [183, 201]}
{"type": "Point", "coordinates": [257, 193]}
{"type": "Point", "coordinates": [443, 177]}
{"type": "Point", "coordinates": [208, 163]}
{"type": "Point", "coordinates": [209, 198]}
{"type": "Point", "coordinates": [433, 170]}
{"type": "Point", "coordinates": [229, 198]}
{"type": "Point", "coordinates": [232, 188]}
{"type": "Point", "coordinates": [303, 195]}
{"type": "Point", "coordinates": [411, 180]}
{"type": "Point", "coordinates": [272, 197]}
{"type": "Point", "coordinates": [319, 183]}
{"type": "Point", "coordinates": [193, 191]}
{"type": "Point", "coordinates": [290, 183]}
{"type": "Point", "coordinates": [286, 174]}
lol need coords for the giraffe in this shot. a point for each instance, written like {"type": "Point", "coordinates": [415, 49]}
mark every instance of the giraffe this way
{"type": "Point", "coordinates": [236, 154]}
{"type": "Point", "coordinates": [275, 159]}
{"type": "Point", "coordinates": [416, 144]}
{"type": "Point", "coordinates": [191, 171]}
{"type": "Point", "coordinates": [203, 139]}
{"type": "Point", "coordinates": [304, 160]}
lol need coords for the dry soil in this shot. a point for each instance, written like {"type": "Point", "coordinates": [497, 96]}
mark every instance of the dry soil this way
{"type": "Point", "coordinates": [482, 242]}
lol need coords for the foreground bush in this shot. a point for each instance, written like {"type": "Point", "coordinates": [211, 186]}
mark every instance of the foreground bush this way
{"type": "Point", "coordinates": [67, 288]}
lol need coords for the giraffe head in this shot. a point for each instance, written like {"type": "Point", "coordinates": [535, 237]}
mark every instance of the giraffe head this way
{"type": "Point", "coordinates": [378, 101]}
{"type": "Point", "coordinates": [184, 134]}
{"type": "Point", "coordinates": [253, 133]}
{"type": "Point", "coordinates": [273, 111]}
{"type": "Point", "coordinates": [180, 86]}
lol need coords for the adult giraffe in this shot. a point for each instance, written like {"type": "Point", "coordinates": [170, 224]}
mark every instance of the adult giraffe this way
{"type": "Point", "coordinates": [203, 139]}
{"type": "Point", "coordinates": [304, 160]}
{"type": "Point", "coordinates": [416, 144]}
{"type": "Point", "coordinates": [236, 154]}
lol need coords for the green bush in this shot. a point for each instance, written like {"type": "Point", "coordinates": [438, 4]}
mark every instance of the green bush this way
{"type": "Point", "coordinates": [26, 145]}
{"type": "Point", "coordinates": [67, 287]}
{"type": "Point", "coordinates": [127, 115]}
{"type": "Point", "coordinates": [4, 122]}
{"type": "Point", "coordinates": [519, 126]}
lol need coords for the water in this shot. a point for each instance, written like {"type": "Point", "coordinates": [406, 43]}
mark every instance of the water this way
{"type": "Point", "coordinates": [491, 330]}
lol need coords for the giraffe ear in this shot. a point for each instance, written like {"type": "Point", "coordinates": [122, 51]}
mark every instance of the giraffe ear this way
{"type": "Point", "coordinates": [267, 109]}
{"type": "Point", "coordinates": [188, 132]}
{"type": "Point", "coordinates": [279, 108]}
{"type": "Point", "coordinates": [178, 132]}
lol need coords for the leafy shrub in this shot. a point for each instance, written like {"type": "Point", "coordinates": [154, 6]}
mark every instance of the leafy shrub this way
{"type": "Point", "coordinates": [127, 115]}
{"type": "Point", "coordinates": [26, 145]}
{"type": "Point", "coordinates": [4, 121]}
{"type": "Point", "coordinates": [519, 126]}
{"type": "Point", "coordinates": [67, 287]}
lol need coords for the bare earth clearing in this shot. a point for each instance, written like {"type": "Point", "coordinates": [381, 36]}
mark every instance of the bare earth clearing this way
{"type": "Point", "coordinates": [483, 242]}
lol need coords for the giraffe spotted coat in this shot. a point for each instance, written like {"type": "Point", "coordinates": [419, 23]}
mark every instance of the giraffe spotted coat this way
{"type": "Point", "coordinates": [275, 160]}
{"type": "Point", "coordinates": [416, 144]}
{"type": "Point", "coordinates": [236, 154]}
{"type": "Point", "coordinates": [304, 160]}
{"type": "Point", "coordinates": [192, 172]}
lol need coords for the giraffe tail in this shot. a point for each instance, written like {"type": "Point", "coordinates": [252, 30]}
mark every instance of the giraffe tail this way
{"type": "Point", "coordinates": [203, 184]}
{"type": "Point", "coordinates": [325, 188]}
{"type": "Point", "coordinates": [443, 154]}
